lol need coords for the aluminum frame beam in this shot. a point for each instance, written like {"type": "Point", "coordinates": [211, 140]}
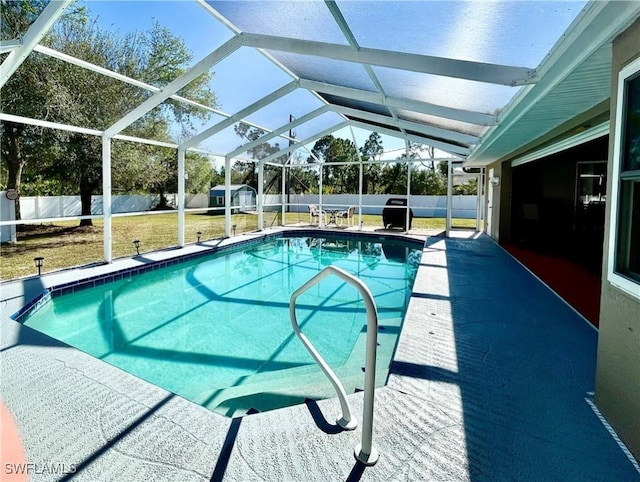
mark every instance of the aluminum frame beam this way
{"type": "Point", "coordinates": [304, 142]}
{"type": "Point", "coordinates": [425, 129]}
{"type": "Point", "coordinates": [123, 78]}
{"type": "Point", "coordinates": [287, 127]}
{"type": "Point", "coordinates": [351, 38]}
{"type": "Point", "coordinates": [461, 69]}
{"type": "Point", "coordinates": [450, 148]}
{"type": "Point", "coordinates": [7, 46]}
{"type": "Point", "coordinates": [95, 132]}
{"type": "Point", "coordinates": [48, 124]}
{"type": "Point", "coordinates": [31, 38]}
{"type": "Point", "coordinates": [200, 67]}
{"type": "Point", "coordinates": [237, 117]}
{"type": "Point", "coordinates": [470, 117]}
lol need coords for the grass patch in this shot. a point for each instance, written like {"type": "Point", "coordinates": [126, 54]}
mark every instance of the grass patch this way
{"type": "Point", "coordinates": [65, 244]}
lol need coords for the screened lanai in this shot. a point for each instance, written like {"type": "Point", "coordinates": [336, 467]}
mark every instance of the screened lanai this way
{"type": "Point", "coordinates": [449, 77]}
{"type": "Point", "coordinates": [494, 376]}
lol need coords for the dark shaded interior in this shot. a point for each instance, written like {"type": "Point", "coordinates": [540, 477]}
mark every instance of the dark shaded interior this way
{"type": "Point", "coordinates": [557, 204]}
{"type": "Point", "coordinates": [557, 213]}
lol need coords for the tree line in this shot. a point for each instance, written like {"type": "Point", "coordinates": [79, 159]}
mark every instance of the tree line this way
{"type": "Point", "coordinates": [428, 177]}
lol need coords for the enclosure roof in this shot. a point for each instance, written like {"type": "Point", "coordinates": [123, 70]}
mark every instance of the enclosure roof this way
{"type": "Point", "coordinates": [478, 80]}
{"type": "Point", "coordinates": [451, 74]}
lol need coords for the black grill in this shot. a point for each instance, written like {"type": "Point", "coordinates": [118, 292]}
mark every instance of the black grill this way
{"type": "Point", "coordinates": [396, 216]}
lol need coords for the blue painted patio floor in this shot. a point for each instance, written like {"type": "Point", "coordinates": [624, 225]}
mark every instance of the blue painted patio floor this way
{"type": "Point", "coordinates": [492, 380]}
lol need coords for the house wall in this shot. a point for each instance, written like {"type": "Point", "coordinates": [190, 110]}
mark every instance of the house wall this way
{"type": "Point", "coordinates": [501, 203]}
{"type": "Point", "coordinates": [618, 366]}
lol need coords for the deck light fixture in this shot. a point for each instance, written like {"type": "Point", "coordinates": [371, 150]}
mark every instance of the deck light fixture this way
{"type": "Point", "coordinates": [199, 233]}
{"type": "Point", "coordinates": [234, 229]}
{"type": "Point", "coordinates": [136, 243]}
{"type": "Point", "coordinates": [39, 261]}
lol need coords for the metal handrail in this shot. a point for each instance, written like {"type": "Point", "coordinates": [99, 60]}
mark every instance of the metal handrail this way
{"type": "Point", "coordinates": [364, 451]}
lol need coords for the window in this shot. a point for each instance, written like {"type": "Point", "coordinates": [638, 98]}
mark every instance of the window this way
{"type": "Point", "coordinates": [220, 200]}
{"type": "Point", "coordinates": [624, 241]}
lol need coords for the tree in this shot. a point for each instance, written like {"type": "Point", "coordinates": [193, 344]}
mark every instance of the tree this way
{"type": "Point", "coordinates": [200, 173]}
{"type": "Point", "coordinates": [468, 188]}
{"type": "Point", "coordinates": [371, 151]}
{"type": "Point", "coordinates": [427, 182]}
{"type": "Point", "coordinates": [46, 88]}
{"type": "Point", "coordinates": [246, 171]}
{"type": "Point", "coordinates": [26, 94]}
{"type": "Point", "coordinates": [394, 178]}
{"type": "Point", "coordinates": [340, 179]}
{"type": "Point", "coordinates": [304, 179]}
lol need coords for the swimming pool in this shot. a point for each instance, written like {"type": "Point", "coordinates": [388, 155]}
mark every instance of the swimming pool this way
{"type": "Point", "coordinates": [215, 329]}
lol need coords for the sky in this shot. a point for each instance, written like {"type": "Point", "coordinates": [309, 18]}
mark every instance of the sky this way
{"type": "Point", "coordinates": [246, 75]}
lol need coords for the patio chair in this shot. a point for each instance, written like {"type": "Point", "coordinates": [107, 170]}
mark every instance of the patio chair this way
{"type": "Point", "coordinates": [314, 212]}
{"type": "Point", "coordinates": [348, 215]}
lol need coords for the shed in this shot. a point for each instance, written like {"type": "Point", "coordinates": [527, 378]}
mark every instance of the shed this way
{"type": "Point", "coordinates": [243, 198]}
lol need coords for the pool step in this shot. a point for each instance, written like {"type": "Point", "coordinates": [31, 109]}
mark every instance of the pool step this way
{"type": "Point", "coordinates": [265, 392]}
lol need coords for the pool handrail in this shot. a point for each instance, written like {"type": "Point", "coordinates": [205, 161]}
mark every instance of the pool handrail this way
{"type": "Point", "coordinates": [364, 452]}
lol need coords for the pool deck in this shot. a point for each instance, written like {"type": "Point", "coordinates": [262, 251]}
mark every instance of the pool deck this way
{"type": "Point", "coordinates": [492, 380]}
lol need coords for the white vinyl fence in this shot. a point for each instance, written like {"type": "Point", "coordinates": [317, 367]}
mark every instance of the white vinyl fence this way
{"type": "Point", "coordinates": [422, 206]}
{"type": "Point", "coordinates": [40, 207]}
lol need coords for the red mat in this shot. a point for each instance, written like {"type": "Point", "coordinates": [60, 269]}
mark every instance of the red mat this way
{"type": "Point", "coordinates": [577, 286]}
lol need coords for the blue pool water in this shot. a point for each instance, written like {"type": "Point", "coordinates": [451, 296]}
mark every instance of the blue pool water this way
{"type": "Point", "coordinates": [216, 329]}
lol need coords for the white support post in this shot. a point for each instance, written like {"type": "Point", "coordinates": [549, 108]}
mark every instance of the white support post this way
{"type": "Point", "coordinates": [360, 183]}
{"type": "Point", "coordinates": [320, 220]}
{"type": "Point", "coordinates": [227, 196]}
{"type": "Point", "coordinates": [360, 179]}
{"type": "Point", "coordinates": [260, 202]}
{"type": "Point", "coordinates": [483, 191]}
{"type": "Point", "coordinates": [106, 198]}
{"type": "Point", "coordinates": [479, 201]}
{"type": "Point", "coordinates": [406, 219]}
{"type": "Point", "coordinates": [449, 197]}
{"type": "Point", "coordinates": [283, 194]}
{"type": "Point", "coordinates": [181, 196]}
{"type": "Point", "coordinates": [7, 46]}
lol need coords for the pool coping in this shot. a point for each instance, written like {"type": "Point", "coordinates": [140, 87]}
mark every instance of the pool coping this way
{"type": "Point", "coordinates": [113, 426]}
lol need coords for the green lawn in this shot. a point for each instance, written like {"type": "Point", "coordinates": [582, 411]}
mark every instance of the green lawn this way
{"type": "Point", "coordinates": [65, 244]}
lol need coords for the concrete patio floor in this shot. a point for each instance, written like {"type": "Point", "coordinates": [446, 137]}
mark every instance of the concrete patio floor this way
{"type": "Point", "coordinates": [492, 380]}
